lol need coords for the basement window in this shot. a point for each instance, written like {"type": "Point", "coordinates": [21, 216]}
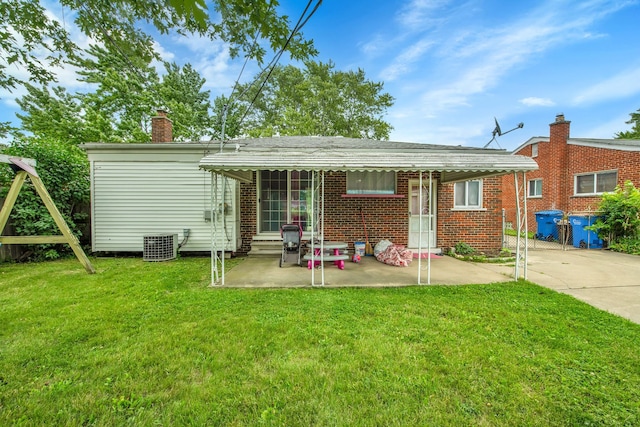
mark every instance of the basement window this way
{"type": "Point", "coordinates": [595, 183]}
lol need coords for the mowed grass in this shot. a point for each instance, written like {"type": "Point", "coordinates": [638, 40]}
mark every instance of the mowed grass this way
{"type": "Point", "coordinates": [151, 344]}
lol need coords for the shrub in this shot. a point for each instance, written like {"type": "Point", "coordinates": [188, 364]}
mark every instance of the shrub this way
{"type": "Point", "coordinates": [627, 245]}
{"type": "Point", "coordinates": [64, 170]}
{"type": "Point", "coordinates": [620, 214]}
{"type": "Point", "coordinates": [463, 248]}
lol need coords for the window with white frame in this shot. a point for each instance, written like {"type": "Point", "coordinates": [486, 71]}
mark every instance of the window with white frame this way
{"type": "Point", "coordinates": [467, 195]}
{"type": "Point", "coordinates": [534, 149]}
{"type": "Point", "coordinates": [535, 188]}
{"type": "Point", "coordinates": [371, 182]}
{"type": "Point", "coordinates": [595, 182]}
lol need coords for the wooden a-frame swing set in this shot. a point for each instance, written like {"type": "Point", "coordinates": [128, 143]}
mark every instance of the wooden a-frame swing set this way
{"type": "Point", "coordinates": [26, 168]}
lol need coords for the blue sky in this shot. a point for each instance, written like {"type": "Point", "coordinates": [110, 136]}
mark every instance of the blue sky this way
{"type": "Point", "coordinates": [453, 66]}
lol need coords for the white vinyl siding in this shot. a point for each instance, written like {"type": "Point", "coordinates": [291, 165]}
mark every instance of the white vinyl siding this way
{"type": "Point", "coordinates": [137, 198]}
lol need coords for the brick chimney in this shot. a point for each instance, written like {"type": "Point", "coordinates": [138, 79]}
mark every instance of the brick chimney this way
{"type": "Point", "coordinates": [558, 183]}
{"type": "Point", "coordinates": [161, 128]}
{"type": "Point", "coordinates": [559, 130]}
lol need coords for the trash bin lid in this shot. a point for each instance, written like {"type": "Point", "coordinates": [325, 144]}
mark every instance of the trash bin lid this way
{"type": "Point", "coordinates": [550, 212]}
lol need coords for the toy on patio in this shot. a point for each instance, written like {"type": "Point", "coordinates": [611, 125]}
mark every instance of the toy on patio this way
{"type": "Point", "coordinates": [356, 258]}
{"type": "Point", "coordinates": [327, 251]}
{"type": "Point", "coordinates": [291, 247]}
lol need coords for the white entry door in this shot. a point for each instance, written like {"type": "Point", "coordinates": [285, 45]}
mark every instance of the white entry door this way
{"type": "Point", "coordinates": [428, 214]}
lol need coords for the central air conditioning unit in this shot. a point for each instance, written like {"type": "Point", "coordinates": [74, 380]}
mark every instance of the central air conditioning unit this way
{"type": "Point", "coordinates": [160, 247]}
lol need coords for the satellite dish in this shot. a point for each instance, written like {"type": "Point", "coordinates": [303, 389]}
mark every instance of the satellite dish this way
{"type": "Point", "coordinates": [497, 131]}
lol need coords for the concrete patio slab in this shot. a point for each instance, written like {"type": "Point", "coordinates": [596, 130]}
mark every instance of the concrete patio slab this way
{"type": "Point", "coordinates": [265, 273]}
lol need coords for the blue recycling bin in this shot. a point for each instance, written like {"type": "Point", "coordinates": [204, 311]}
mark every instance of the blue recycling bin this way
{"type": "Point", "coordinates": [546, 221]}
{"type": "Point", "coordinates": [584, 238]}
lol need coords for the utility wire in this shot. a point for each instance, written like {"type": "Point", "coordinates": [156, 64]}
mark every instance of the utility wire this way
{"type": "Point", "coordinates": [271, 66]}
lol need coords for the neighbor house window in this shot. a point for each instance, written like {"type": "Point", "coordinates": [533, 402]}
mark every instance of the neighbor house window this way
{"type": "Point", "coordinates": [467, 194]}
{"type": "Point", "coordinates": [371, 182]}
{"type": "Point", "coordinates": [535, 188]}
{"type": "Point", "coordinates": [595, 183]}
{"type": "Point", "coordinates": [534, 149]}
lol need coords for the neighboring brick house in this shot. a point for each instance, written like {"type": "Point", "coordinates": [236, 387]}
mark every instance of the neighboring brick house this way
{"type": "Point", "coordinates": [573, 172]}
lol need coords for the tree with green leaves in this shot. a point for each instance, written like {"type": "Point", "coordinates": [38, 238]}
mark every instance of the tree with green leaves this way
{"type": "Point", "coordinates": [32, 39]}
{"type": "Point", "coordinates": [634, 133]}
{"type": "Point", "coordinates": [180, 92]}
{"type": "Point", "coordinates": [120, 106]}
{"type": "Point", "coordinates": [28, 29]}
{"type": "Point", "coordinates": [123, 99]}
{"type": "Point", "coordinates": [315, 100]}
{"type": "Point", "coordinates": [52, 114]}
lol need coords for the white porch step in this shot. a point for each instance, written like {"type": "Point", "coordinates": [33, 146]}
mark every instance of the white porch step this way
{"type": "Point", "coordinates": [265, 248]}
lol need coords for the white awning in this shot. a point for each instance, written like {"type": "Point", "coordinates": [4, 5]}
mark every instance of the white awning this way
{"type": "Point", "coordinates": [454, 166]}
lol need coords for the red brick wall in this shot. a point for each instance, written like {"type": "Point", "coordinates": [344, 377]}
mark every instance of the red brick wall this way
{"type": "Point", "coordinates": [591, 159]}
{"type": "Point", "coordinates": [385, 218]}
{"type": "Point", "coordinates": [388, 217]}
{"type": "Point", "coordinates": [248, 214]}
{"type": "Point", "coordinates": [481, 229]}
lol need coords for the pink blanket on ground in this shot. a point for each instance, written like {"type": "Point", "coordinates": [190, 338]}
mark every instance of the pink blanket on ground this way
{"type": "Point", "coordinates": [395, 255]}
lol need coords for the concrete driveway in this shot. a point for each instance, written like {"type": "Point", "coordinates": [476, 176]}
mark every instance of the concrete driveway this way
{"type": "Point", "coordinates": [607, 280]}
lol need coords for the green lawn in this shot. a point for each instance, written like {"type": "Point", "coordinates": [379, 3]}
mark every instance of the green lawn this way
{"type": "Point", "coordinates": [151, 344]}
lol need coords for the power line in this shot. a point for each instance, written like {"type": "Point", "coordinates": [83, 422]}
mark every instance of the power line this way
{"type": "Point", "coordinates": [299, 25]}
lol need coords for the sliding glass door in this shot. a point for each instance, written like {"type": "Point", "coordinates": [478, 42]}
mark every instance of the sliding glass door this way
{"type": "Point", "coordinates": [284, 198]}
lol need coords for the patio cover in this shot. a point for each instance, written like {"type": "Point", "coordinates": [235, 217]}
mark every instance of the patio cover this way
{"type": "Point", "coordinates": [453, 166]}
{"type": "Point", "coordinates": [335, 154]}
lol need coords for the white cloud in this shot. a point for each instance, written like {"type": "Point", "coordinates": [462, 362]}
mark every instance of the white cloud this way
{"type": "Point", "coordinates": [471, 63]}
{"type": "Point", "coordinates": [533, 101]}
{"type": "Point", "coordinates": [376, 45]}
{"type": "Point", "coordinates": [165, 54]}
{"type": "Point", "coordinates": [213, 61]}
{"type": "Point", "coordinates": [403, 63]}
{"type": "Point", "coordinates": [420, 13]}
{"type": "Point", "coordinates": [622, 85]}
